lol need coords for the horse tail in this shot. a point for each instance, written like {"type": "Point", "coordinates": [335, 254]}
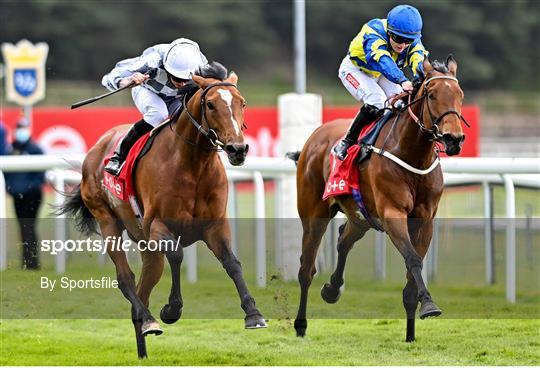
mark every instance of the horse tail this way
{"type": "Point", "coordinates": [74, 207]}
{"type": "Point", "coordinates": [293, 156]}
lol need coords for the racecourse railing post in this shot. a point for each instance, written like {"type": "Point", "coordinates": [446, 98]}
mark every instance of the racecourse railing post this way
{"type": "Point", "coordinates": [3, 223]}
{"type": "Point", "coordinates": [260, 229]}
{"type": "Point", "coordinates": [488, 233]}
{"type": "Point", "coordinates": [380, 255]}
{"type": "Point", "coordinates": [278, 218]}
{"type": "Point", "coordinates": [60, 226]}
{"type": "Point", "coordinates": [232, 215]}
{"type": "Point", "coordinates": [510, 239]}
{"type": "Point", "coordinates": [190, 255]}
{"type": "Point", "coordinates": [433, 252]}
{"type": "Point", "coordinates": [298, 115]}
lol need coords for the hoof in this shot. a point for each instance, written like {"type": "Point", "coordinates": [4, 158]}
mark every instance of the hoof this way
{"type": "Point", "coordinates": [429, 309]}
{"type": "Point", "coordinates": [151, 328]}
{"type": "Point", "coordinates": [170, 314]}
{"type": "Point", "coordinates": [300, 325]}
{"type": "Point", "coordinates": [255, 321]}
{"type": "Point", "coordinates": [329, 294]}
{"type": "Point", "coordinates": [409, 339]}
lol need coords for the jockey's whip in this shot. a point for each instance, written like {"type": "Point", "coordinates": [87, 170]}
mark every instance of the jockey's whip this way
{"type": "Point", "coordinates": [94, 99]}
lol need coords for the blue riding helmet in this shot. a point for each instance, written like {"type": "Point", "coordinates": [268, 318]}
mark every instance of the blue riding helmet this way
{"type": "Point", "coordinates": [405, 21]}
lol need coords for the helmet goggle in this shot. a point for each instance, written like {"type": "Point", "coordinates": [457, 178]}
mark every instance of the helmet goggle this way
{"type": "Point", "coordinates": [400, 39]}
{"type": "Point", "coordinates": [178, 80]}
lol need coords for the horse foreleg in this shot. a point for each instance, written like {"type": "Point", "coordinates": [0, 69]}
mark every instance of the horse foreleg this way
{"type": "Point", "coordinates": [395, 224]}
{"type": "Point", "coordinates": [218, 240]}
{"type": "Point", "coordinates": [349, 233]}
{"type": "Point", "coordinates": [410, 303]}
{"type": "Point", "coordinates": [171, 312]}
{"type": "Point", "coordinates": [311, 240]}
{"type": "Point", "coordinates": [421, 232]}
{"type": "Point", "coordinates": [160, 234]}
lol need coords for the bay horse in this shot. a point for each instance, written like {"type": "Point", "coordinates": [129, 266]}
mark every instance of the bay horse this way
{"type": "Point", "coordinates": [181, 186]}
{"type": "Point", "coordinates": [398, 200]}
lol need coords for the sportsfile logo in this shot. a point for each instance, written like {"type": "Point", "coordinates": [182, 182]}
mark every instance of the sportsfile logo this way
{"type": "Point", "coordinates": [112, 243]}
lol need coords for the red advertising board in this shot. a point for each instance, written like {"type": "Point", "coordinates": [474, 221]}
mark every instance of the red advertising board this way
{"type": "Point", "coordinates": [61, 130]}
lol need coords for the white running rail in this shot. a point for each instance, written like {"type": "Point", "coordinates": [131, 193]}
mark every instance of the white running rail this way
{"type": "Point", "coordinates": [457, 171]}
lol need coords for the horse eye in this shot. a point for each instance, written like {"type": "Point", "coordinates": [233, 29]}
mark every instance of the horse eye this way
{"type": "Point", "coordinates": [431, 97]}
{"type": "Point", "coordinates": [210, 105]}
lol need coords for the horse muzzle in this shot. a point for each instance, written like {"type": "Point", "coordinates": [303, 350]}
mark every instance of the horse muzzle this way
{"type": "Point", "coordinates": [236, 152]}
{"type": "Point", "coordinates": [453, 143]}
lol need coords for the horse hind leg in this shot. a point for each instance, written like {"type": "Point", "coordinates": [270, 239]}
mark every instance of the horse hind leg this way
{"type": "Point", "coordinates": [314, 229]}
{"type": "Point", "coordinates": [143, 322]}
{"type": "Point", "coordinates": [349, 233]}
{"type": "Point", "coordinates": [152, 269]}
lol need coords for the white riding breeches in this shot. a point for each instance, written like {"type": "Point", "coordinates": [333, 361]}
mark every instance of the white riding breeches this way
{"type": "Point", "coordinates": [151, 106]}
{"type": "Point", "coordinates": [364, 87]}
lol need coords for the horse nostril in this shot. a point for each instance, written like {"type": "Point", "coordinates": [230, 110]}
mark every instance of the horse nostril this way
{"type": "Point", "coordinates": [236, 149]}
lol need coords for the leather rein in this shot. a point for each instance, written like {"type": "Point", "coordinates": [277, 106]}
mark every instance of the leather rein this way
{"type": "Point", "coordinates": [209, 133]}
{"type": "Point", "coordinates": [434, 131]}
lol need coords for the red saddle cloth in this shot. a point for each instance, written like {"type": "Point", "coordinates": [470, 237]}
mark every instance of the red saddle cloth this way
{"type": "Point", "coordinates": [121, 186]}
{"type": "Point", "coordinates": [343, 176]}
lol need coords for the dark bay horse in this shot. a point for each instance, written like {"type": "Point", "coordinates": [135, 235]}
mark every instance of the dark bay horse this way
{"type": "Point", "coordinates": [181, 186]}
{"type": "Point", "coordinates": [400, 201]}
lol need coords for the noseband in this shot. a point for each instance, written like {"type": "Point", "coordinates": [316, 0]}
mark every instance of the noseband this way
{"type": "Point", "coordinates": [210, 134]}
{"type": "Point", "coordinates": [434, 131]}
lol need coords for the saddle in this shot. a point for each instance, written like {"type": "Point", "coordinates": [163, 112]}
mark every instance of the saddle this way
{"type": "Point", "coordinates": [122, 186]}
{"type": "Point", "coordinates": [343, 176]}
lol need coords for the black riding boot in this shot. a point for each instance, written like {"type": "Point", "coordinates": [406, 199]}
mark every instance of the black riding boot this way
{"type": "Point", "coordinates": [366, 115]}
{"type": "Point", "coordinates": [116, 162]}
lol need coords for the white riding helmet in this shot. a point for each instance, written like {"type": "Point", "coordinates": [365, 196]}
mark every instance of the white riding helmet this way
{"type": "Point", "coordinates": [183, 58]}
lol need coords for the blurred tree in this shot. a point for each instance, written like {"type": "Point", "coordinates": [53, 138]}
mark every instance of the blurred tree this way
{"type": "Point", "coordinates": [494, 41]}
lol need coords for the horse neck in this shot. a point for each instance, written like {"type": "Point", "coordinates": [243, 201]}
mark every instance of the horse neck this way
{"type": "Point", "coordinates": [194, 146]}
{"type": "Point", "coordinates": [415, 147]}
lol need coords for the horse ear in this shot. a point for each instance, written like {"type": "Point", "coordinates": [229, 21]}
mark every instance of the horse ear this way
{"type": "Point", "coordinates": [427, 66]}
{"type": "Point", "coordinates": [233, 78]}
{"type": "Point", "coordinates": [451, 64]}
{"type": "Point", "coordinates": [201, 82]}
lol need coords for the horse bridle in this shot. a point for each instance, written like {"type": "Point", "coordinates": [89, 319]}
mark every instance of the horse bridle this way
{"type": "Point", "coordinates": [434, 130]}
{"type": "Point", "coordinates": [210, 134]}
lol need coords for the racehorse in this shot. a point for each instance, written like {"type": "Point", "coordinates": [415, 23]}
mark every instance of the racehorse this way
{"type": "Point", "coordinates": [181, 186]}
{"type": "Point", "coordinates": [401, 201]}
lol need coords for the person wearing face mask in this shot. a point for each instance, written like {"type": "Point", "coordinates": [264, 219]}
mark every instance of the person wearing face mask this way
{"type": "Point", "coordinates": [372, 69]}
{"type": "Point", "coordinates": [3, 139]}
{"type": "Point", "coordinates": [26, 190]}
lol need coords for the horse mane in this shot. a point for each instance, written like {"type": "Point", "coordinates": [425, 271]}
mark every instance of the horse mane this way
{"type": "Point", "coordinates": [214, 70]}
{"type": "Point", "coordinates": [438, 66]}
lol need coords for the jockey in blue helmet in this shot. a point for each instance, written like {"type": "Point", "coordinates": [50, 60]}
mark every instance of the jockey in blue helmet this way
{"type": "Point", "coordinates": [372, 69]}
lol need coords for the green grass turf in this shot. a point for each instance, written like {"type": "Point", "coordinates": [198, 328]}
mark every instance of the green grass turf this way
{"type": "Point", "coordinates": [224, 342]}
{"type": "Point", "coordinates": [365, 328]}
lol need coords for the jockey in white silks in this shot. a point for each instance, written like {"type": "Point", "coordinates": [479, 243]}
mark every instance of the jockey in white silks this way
{"type": "Point", "coordinates": [159, 76]}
